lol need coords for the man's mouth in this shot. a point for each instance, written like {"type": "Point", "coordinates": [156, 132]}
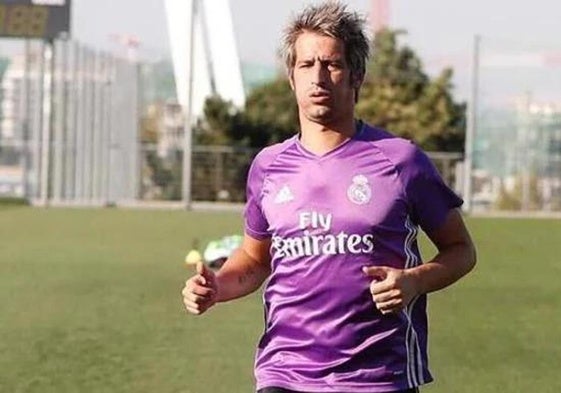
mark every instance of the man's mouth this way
{"type": "Point", "coordinates": [320, 94]}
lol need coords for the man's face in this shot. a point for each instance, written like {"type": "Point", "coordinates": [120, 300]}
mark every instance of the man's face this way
{"type": "Point", "coordinates": [321, 79]}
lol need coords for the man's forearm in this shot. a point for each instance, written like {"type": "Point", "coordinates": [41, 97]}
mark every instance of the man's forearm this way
{"type": "Point", "coordinates": [240, 276]}
{"type": "Point", "coordinates": [447, 267]}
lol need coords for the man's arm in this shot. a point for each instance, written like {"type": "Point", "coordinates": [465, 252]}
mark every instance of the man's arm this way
{"type": "Point", "coordinates": [392, 289]}
{"type": "Point", "coordinates": [245, 270]}
{"type": "Point", "coordinates": [456, 256]}
{"type": "Point", "coordinates": [243, 273]}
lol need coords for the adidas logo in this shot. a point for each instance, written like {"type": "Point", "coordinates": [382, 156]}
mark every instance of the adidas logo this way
{"type": "Point", "coordinates": [284, 195]}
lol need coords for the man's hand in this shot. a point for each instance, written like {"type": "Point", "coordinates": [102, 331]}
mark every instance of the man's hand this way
{"type": "Point", "coordinates": [391, 289]}
{"type": "Point", "coordinates": [200, 291]}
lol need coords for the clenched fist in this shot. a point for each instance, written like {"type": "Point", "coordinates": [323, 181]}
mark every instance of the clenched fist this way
{"type": "Point", "coordinates": [392, 289]}
{"type": "Point", "coordinates": [200, 291]}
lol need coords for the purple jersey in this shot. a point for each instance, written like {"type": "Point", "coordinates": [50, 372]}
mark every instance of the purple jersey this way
{"type": "Point", "coordinates": [328, 216]}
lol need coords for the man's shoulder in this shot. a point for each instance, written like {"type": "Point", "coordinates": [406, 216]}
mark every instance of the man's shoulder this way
{"type": "Point", "coordinates": [268, 154]}
{"type": "Point", "coordinates": [398, 150]}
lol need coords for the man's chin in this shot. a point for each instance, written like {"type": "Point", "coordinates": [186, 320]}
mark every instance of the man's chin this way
{"type": "Point", "coordinates": [321, 116]}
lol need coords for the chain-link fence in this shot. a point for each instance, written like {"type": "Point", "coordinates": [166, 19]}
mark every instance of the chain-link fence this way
{"type": "Point", "coordinates": [517, 127]}
{"type": "Point", "coordinates": [69, 125]}
{"type": "Point", "coordinates": [84, 127]}
{"type": "Point", "coordinates": [219, 172]}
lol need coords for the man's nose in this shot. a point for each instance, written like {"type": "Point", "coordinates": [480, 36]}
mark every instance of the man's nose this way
{"type": "Point", "coordinates": [319, 74]}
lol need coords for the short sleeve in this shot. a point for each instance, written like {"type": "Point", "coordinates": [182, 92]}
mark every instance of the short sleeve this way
{"type": "Point", "coordinates": [256, 224]}
{"type": "Point", "coordinates": [430, 198]}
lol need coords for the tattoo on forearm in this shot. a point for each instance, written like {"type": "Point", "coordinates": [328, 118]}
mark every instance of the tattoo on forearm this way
{"type": "Point", "coordinates": [246, 275]}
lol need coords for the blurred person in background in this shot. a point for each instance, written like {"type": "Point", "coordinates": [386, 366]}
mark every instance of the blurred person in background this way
{"type": "Point", "coordinates": [331, 226]}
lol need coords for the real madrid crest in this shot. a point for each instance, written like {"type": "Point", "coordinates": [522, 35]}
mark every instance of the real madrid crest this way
{"type": "Point", "coordinates": [359, 192]}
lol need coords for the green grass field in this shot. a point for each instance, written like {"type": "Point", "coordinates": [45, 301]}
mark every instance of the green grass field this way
{"type": "Point", "coordinates": [89, 302]}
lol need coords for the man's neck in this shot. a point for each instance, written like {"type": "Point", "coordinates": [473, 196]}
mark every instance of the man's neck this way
{"type": "Point", "coordinates": [321, 139]}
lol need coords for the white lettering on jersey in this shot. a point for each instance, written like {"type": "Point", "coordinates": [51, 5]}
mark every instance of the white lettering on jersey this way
{"type": "Point", "coordinates": [316, 245]}
{"type": "Point", "coordinates": [313, 244]}
{"type": "Point", "coordinates": [314, 220]}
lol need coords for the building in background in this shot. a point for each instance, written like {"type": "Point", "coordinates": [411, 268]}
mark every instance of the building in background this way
{"type": "Point", "coordinates": [160, 99]}
{"type": "Point", "coordinates": [171, 130]}
{"type": "Point", "coordinates": [12, 120]}
{"type": "Point", "coordinates": [12, 85]}
{"type": "Point", "coordinates": [72, 138]}
{"type": "Point", "coordinates": [518, 157]}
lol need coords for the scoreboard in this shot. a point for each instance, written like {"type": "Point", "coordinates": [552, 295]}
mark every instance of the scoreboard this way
{"type": "Point", "coordinates": [45, 19]}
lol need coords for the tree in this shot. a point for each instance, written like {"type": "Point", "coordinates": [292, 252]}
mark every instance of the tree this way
{"type": "Point", "coordinates": [396, 95]}
{"type": "Point", "coordinates": [399, 96]}
{"type": "Point", "coordinates": [150, 123]}
{"type": "Point", "coordinates": [270, 116]}
{"type": "Point", "coordinates": [217, 124]}
{"type": "Point", "coordinates": [272, 108]}
{"type": "Point", "coordinates": [513, 199]}
{"type": "Point", "coordinates": [161, 178]}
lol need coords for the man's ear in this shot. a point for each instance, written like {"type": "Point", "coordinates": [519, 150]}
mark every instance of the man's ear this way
{"type": "Point", "coordinates": [357, 82]}
{"type": "Point", "coordinates": [291, 80]}
{"type": "Point", "coordinates": [356, 85]}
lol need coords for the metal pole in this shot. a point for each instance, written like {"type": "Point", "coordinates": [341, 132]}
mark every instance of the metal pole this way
{"type": "Point", "coordinates": [144, 88]}
{"type": "Point", "coordinates": [525, 150]}
{"type": "Point", "coordinates": [70, 124]}
{"type": "Point", "coordinates": [104, 121]}
{"type": "Point", "coordinates": [25, 153]}
{"type": "Point", "coordinates": [471, 128]}
{"type": "Point", "coordinates": [126, 131]}
{"type": "Point", "coordinates": [47, 123]}
{"type": "Point", "coordinates": [138, 109]}
{"type": "Point", "coordinates": [38, 123]}
{"type": "Point", "coordinates": [86, 148]}
{"type": "Point", "coordinates": [74, 124]}
{"type": "Point", "coordinates": [219, 173]}
{"type": "Point", "coordinates": [59, 129]}
{"type": "Point", "coordinates": [95, 127]}
{"type": "Point", "coordinates": [99, 129]}
{"type": "Point", "coordinates": [92, 124]}
{"type": "Point", "coordinates": [79, 166]}
{"type": "Point", "coordinates": [102, 126]}
{"type": "Point", "coordinates": [109, 132]}
{"type": "Point", "coordinates": [127, 144]}
{"type": "Point", "coordinates": [135, 136]}
{"type": "Point", "coordinates": [119, 147]}
{"type": "Point", "coordinates": [187, 137]}
{"type": "Point", "coordinates": [88, 127]}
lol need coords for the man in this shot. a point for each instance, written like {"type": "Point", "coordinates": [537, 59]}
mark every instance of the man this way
{"type": "Point", "coordinates": [331, 222]}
